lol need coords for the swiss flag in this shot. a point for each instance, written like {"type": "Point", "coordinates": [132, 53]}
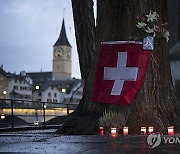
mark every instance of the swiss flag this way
{"type": "Point", "coordinates": [120, 72]}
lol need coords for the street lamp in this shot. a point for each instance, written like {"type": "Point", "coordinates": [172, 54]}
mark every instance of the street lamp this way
{"type": "Point", "coordinates": [63, 90]}
{"type": "Point", "coordinates": [37, 87]}
{"type": "Point", "coordinates": [4, 92]}
{"type": "Point", "coordinates": [2, 116]}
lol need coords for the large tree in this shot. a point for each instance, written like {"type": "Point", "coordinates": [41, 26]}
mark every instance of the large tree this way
{"type": "Point", "coordinates": [155, 104]}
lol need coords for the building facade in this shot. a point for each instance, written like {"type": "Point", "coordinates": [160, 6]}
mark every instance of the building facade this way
{"type": "Point", "coordinates": [4, 82]}
{"type": "Point", "coordinates": [53, 87]}
{"type": "Point", "coordinates": [62, 57]}
{"type": "Point", "coordinates": [19, 87]}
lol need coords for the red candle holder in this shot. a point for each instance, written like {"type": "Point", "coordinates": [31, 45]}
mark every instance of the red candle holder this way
{"type": "Point", "coordinates": [101, 131]}
{"type": "Point", "coordinates": [143, 130]}
{"type": "Point", "coordinates": [171, 130]}
{"type": "Point", "coordinates": [125, 130]}
{"type": "Point", "coordinates": [150, 129]}
{"type": "Point", "coordinates": [113, 131]}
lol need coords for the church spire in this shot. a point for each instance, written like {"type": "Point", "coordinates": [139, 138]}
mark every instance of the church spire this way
{"type": "Point", "coordinates": [62, 40]}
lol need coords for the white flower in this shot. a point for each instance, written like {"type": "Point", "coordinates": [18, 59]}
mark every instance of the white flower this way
{"type": "Point", "coordinates": [152, 16]}
{"type": "Point", "coordinates": [141, 24]}
{"type": "Point", "coordinates": [166, 35]}
{"type": "Point", "coordinates": [149, 30]}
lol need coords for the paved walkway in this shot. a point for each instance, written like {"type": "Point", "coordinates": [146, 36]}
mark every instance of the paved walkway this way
{"type": "Point", "coordinates": [46, 141]}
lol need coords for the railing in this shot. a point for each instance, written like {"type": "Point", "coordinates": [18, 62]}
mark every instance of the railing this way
{"type": "Point", "coordinates": [26, 113]}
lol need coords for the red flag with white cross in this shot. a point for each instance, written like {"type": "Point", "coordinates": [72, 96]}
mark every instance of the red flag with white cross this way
{"type": "Point", "coordinates": [120, 72]}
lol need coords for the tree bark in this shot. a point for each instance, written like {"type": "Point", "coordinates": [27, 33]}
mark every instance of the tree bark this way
{"type": "Point", "coordinates": [155, 104]}
{"type": "Point", "coordinates": [84, 28]}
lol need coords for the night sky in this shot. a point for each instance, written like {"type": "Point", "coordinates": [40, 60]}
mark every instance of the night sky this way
{"type": "Point", "coordinates": [28, 31]}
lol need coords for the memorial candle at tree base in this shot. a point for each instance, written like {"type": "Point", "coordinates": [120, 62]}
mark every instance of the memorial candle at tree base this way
{"type": "Point", "coordinates": [125, 130]}
{"type": "Point", "coordinates": [143, 129]}
{"type": "Point", "coordinates": [113, 132]}
{"type": "Point", "coordinates": [171, 130]}
{"type": "Point", "coordinates": [101, 131]}
{"type": "Point", "coordinates": [150, 129]}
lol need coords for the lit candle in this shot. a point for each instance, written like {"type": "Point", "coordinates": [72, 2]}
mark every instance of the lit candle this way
{"type": "Point", "coordinates": [125, 130]}
{"type": "Point", "coordinates": [143, 130]}
{"type": "Point", "coordinates": [101, 131]}
{"type": "Point", "coordinates": [171, 130]}
{"type": "Point", "coordinates": [150, 129]}
{"type": "Point", "coordinates": [113, 132]}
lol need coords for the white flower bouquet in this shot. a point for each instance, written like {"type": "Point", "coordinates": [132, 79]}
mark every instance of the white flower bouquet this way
{"type": "Point", "coordinates": [149, 25]}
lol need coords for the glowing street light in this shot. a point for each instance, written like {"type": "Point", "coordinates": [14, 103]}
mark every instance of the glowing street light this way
{"type": "Point", "coordinates": [2, 116]}
{"type": "Point", "coordinates": [63, 90]}
{"type": "Point", "coordinates": [37, 87]}
{"type": "Point", "coordinates": [36, 123]}
{"type": "Point", "coordinates": [4, 92]}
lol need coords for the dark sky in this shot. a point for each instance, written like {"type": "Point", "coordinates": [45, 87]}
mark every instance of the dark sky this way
{"type": "Point", "coordinates": [28, 31]}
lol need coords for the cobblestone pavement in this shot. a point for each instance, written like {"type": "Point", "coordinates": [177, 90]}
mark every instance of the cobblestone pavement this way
{"type": "Point", "coordinates": [47, 141]}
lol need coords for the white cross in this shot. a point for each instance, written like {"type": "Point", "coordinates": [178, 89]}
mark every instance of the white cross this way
{"type": "Point", "coordinates": [120, 73]}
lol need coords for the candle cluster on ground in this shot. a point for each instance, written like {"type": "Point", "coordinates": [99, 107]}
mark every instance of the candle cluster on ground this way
{"type": "Point", "coordinates": [144, 130]}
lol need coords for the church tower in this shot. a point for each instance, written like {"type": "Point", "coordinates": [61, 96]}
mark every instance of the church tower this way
{"type": "Point", "coordinates": [62, 57]}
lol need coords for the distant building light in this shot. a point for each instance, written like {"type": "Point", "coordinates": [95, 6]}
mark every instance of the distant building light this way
{"type": "Point", "coordinates": [36, 123]}
{"type": "Point", "coordinates": [63, 90]}
{"type": "Point", "coordinates": [2, 116]}
{"type": "Point", "coordinates": [4, 92]}
{"type": "Point", "coordinates": [37, 87]}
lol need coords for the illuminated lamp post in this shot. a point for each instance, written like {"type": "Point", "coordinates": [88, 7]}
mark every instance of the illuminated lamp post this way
{"type": "Point", "coordinates": [4, 93]}
{"type": "Point", "coordinates": [63, 90]}
{"type": "Point", "coordinates": [37, 87]}
{"type": "Point", "coordinates": [3, 116]}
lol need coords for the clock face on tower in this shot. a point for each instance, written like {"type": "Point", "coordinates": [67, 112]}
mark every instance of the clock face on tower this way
{"type": "Point", "coordinates": [62, 53]}
{"type": "Point", "coordinates": [58, 53]}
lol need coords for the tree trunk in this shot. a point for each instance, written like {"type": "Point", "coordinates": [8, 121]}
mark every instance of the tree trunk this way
{"type": "Point", "coordinates": [155, 104]}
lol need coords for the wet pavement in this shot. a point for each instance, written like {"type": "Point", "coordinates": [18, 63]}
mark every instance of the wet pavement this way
{"type": "Point", "coordinates": [47, 141]}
